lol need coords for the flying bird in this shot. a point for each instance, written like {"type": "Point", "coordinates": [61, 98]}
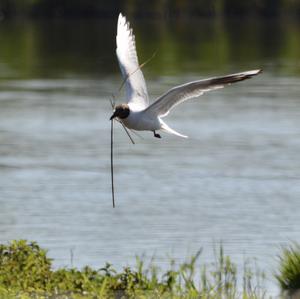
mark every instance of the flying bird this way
{"type": "Point", "coordinates": [137, 113]}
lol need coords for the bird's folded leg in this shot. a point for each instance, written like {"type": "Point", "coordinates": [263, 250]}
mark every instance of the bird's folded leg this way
{"type": "Point", "coordinates": [156, 135]}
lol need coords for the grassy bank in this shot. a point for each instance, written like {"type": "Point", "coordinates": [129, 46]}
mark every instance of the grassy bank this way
{"type": "Point", "coordinates": [26, 272]}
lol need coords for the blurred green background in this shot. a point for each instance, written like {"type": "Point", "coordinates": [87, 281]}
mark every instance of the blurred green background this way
{"type": "Point", "coordinates": [202, 47]}
{"type": "Point", "coordinates": [154, 8]}
{"type": "Point", "coordinates": [50, 38]}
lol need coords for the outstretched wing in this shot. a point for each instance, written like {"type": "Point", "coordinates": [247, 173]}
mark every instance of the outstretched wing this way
{"type": "Point", "coordinates": [136, 90]}
{"type": "Point", "coordinates": [162, 106]}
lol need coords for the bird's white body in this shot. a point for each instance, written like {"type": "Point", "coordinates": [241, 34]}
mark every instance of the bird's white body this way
{"type": "Point", "coordinates": [141, 121]}
{"type": "Point", "coordinates": [142, 116]}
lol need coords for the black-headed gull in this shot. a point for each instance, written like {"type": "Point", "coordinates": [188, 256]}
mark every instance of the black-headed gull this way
{"type": "Point", "coordinates": [138, 114]}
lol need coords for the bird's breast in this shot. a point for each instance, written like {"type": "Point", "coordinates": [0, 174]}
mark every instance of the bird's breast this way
{"type": "Point", "coordinates": [140, 121]}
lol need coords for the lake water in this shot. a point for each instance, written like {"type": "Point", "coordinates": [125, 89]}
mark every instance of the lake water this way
{"type": "Point", "coordinates": [236, 179]}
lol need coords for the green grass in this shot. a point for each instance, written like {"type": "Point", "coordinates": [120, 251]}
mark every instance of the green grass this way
{"type": "Point", "coordinates": [27, 272]}
{"type": "Point", "coordinates": [288, 275]}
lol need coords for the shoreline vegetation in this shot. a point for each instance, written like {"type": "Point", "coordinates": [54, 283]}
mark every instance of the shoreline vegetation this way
{"type": "Point", "coordinates": [148, 9]}
{"type": "Point", "coordinates": [26, 272]}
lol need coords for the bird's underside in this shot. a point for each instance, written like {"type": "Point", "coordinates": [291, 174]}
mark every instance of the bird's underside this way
{"type": "Point", "coordinates": [139, 114]}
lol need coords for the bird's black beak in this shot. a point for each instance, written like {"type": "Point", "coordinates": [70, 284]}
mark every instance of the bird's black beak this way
{"type": "Point", "coordinates": [113, 116]}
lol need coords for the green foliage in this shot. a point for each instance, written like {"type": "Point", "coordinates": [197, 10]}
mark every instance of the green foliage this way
{"type": "Point", "coordinates": [288, 276]}
{"type": "Point", "coordinates": [24, 266]}
{"type": "Point", "coordinates": [25, 272]}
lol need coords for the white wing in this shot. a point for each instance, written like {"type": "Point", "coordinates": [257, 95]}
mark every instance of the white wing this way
{"type": "Point", "coordinates": [136, 90]}
{"type": "Point", "coordinates": [162, 106]}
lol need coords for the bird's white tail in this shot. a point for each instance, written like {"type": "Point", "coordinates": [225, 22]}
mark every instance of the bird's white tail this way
{"type": "Point", "coordinates": [166, 128]}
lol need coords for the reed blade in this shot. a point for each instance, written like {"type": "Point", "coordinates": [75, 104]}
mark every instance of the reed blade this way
{"type": "Point", "coordinates": [112, 101]}
{"type": "Point", "coordinates": [128, 134]}
{"type": "Point", "coordinates": [136, 134]}
{"type": "Point", "coordinates": [112, 161]}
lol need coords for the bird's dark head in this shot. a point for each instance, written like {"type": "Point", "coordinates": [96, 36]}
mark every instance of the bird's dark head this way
{"type": "Point", "coordinates": [121, 111]}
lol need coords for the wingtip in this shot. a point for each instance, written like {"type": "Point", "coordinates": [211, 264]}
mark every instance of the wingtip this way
{"type": "Point", "coordinates": [123, 23]}
{"type": "Point", "coordinates": [254, 72]}
{"type": "Point", "coordinates": [246, 75]}
{"type": "Point", "coordinates": [121, 19]}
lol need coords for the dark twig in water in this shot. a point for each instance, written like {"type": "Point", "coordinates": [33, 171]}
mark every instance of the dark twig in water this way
{"type": "Point", "coordinates": [112, 100]}
{"type": "Point", "coordinates": [112, 161]}
{"type": "Point", "coordinates": [136, 134]}
{"type": "Point", "coordinates": [127, 132]}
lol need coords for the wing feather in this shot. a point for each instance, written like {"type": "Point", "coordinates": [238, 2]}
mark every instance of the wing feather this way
{"type": "Point", "coordinates": [162, 106]}
{"type": "Point", "coordinates": [136, 90]}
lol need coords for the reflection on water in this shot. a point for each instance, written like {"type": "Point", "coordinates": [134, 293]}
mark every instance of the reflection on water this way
{"type": "Point", "coordinates": [235, 179]}
{"type": "Point", "coordinates": [69, 48]}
